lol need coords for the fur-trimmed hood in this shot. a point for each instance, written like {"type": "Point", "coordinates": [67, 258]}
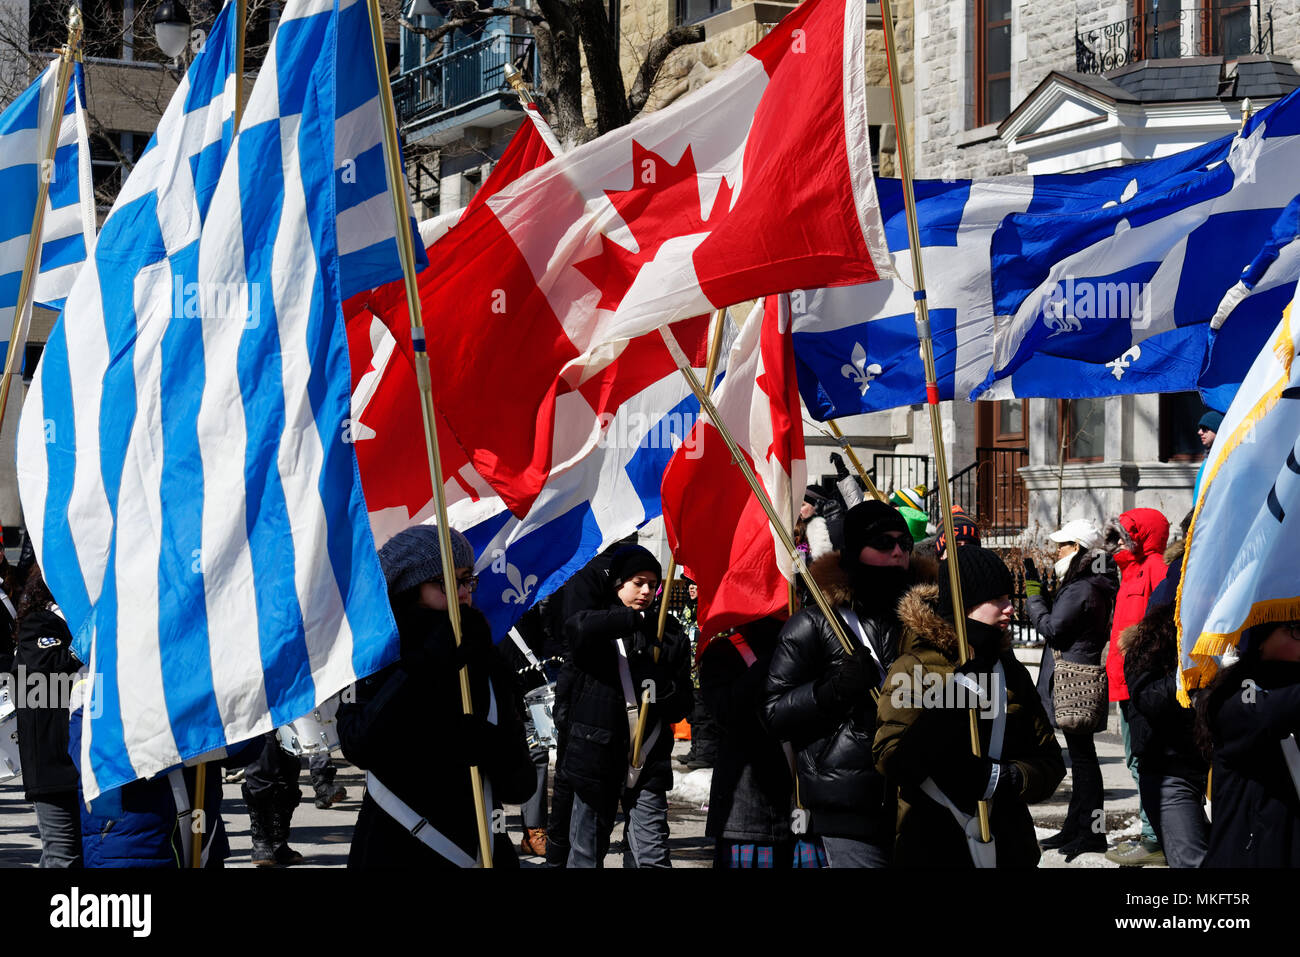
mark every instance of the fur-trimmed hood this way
{"type": "Point", "coordinates": [925, 627]}
{"type": "Point", "coordinates": [1174, 553]}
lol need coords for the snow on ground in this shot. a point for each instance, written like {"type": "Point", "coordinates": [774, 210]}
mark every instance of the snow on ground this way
{"type": "Point", "coordinates": [691, 787]}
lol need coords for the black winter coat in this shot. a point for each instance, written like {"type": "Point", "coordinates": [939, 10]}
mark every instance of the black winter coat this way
{"type": "Point", "coordinates": [1256, 821]}
{"type": "Point", "coordinates": [838, 782]}
{"type": "Point", "coordinates": [751, 793]}
{"type": "Point", "coordinates": [1161, 731]}
{"type": "Point", "coordinates": [597, 740]}
{"type": "Point", "coordinates": [45, 661]}
{"type": "Point", "coordinates": [1077, 621]}
{"type": "Point", "coordinates": [410, 707]}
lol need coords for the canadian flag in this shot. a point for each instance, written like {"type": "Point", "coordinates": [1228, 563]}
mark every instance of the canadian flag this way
{"type": "Point", "coordinates": [717, 529]}
{"type": "Point", "coordinates": [759, 182]}
{"type": "Point", "coordinates": [387, 424]}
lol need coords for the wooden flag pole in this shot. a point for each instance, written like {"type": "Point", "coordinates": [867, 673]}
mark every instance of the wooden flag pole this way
{"type": "Point", "coordinates": [778, 526]}
{"type": "Point", "coordinates": [45, 174]}
{"type": "Point", "coordinates": [931, 378]}
{"type": "Point", "coordinates": [406, 249]}
{"type": "Point", "coordinates": [196, 833]}
{"type": "Point", "coordinates": [711, 367]}
{"type": "Point", "coordinates": [853, 458]}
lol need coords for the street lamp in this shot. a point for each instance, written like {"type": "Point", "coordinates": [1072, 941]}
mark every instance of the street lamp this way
{"type": "Point", "coordinates": [171, 27]}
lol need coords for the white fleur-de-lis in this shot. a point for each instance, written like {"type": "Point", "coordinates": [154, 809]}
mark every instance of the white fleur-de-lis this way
{"type": "Point", "coordinates": [1129, 192]}
{"type": "Point", "coordinates": [859, 371]}
{"type": "Point", "coordinates": [523, 587]}
{"type": "Point", "coordinates": [1119, 366]}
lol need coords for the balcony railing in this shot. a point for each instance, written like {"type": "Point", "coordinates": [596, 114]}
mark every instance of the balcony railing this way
{"type": "Point", "coordinates": [1172, 31]}
{"type": "Point", "coordinates": [458, 79]}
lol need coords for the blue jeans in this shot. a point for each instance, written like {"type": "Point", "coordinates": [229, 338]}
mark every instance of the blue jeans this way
{"type": "Point", "coordinates": [1177, 808]}
{"type": "Point", "coordinates": [58, 818]}
{"type": "Point", "coordinates": [1131, 762]}
{"type": "Point", "coordinates": [846, 852]}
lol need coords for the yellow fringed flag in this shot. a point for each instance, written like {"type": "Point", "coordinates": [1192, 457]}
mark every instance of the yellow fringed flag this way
{"type": "Point", "coordinates": [1239, 567]}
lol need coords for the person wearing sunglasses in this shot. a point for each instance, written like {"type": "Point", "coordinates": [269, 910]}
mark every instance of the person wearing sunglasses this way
{"type": "Point", "coordinates": [407, 730]}
{"type": "Point", "coordinates": [820, 699]}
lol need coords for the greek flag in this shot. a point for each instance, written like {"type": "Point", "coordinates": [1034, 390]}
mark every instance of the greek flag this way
{"type": "Point", "coordinates": [1097, 283]}
{"type": "Point", "coordinates": [68, 232]}
{"type": "Point", "coordinates": [183, 452]}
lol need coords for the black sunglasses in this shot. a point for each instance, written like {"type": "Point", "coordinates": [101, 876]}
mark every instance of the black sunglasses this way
{"type": "Point", "coordinates": [886, 543]}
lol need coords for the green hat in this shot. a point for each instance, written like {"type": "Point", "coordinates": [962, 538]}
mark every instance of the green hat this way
{"type": "Point", "coordinates": [917, 521]}
{"type": "Point", "coordinates": [913, 497]}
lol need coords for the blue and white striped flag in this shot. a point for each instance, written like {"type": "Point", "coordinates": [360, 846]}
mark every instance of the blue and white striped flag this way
{"type": "Point", "coordinates": [184, 458]}
{"type": "Point", "coordinates": [68, 232]}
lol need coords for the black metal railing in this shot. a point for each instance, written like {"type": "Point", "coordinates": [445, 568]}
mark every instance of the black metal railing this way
{"type": "Point", "coordinates": [891, 472]}
{"type": "Point", "coordinates": [1174, 30]}
{"type": "Point", "coordinates": [1022, 629]}
{"type": "Point", "coordinates": [459, 78]}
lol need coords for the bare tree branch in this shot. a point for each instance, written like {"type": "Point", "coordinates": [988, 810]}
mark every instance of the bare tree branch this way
{"type": "Point", "coordinates": [654, 61]}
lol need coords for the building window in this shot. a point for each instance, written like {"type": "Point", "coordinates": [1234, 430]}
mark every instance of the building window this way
{"type": "Point", "coordinates": [1081, 424]}
{"type": "Point", "coordinates": [992, 61]}
{"type": "Point", "coordinates": [112, 157]}
{"type": "Point", "coordinates": [1179, 414]}
{"type": "Point", "coordinates": [693, 11]}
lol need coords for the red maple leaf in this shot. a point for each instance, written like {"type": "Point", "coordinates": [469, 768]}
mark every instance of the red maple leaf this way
{"type": "Point", "coordinates": [663, 203]}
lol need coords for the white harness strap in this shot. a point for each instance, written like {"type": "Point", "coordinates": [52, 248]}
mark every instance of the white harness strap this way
{"type": "Point", "coordinates": [419, 827]}
{"type": "Point", "coordinates": [742, 646]}
{"type": "Point", "coordinates": [527, 652]}
{"type": "Point", "coordinates": [983, 855]}
{"type": "Point", "coordinates": [1291, 754]}
{"type": "Point", "coordinates": [855, 623]}
{"type": "Point", "coordinates": [9, 605]}
{"type": "Point", "coordinates": [184, 815]}
{"type": "Point", "coordinates": [632, 706]}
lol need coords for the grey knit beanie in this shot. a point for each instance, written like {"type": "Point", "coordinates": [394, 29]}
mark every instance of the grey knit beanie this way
{"type": "Point", "coordinates": [413, 556]}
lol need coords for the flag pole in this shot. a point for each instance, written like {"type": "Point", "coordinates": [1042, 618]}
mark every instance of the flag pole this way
{"type": "Point", "coordinates": [406, 249]}
{"type": "Point", "coordinates": [853, 459]}
{"type": "Point", "coordinates": [711, 367]}
{"type": "Point", "coordinates": [931, 379]}
{"type": "Point", "coordinates": [31, 265]}
{"type": "Point", "coordinates": [778, 526]}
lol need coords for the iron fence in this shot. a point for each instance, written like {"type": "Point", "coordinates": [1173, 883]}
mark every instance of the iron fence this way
{"type": "Point", "coordinates": [891, 471]}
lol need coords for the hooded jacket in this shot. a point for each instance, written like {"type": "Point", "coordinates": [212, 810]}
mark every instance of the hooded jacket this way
{"type": "Point", "coordinates": [837, 781]}
{"type": "Point", "coordinates": [913, 743]}
{"type": "Point", "coordinates": [1142, 568]}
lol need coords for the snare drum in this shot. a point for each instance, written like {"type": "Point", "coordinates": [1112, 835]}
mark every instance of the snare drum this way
{"type": "Point", "coordinates": [313, 733]}
{"type": "Point", "coordinates": [540, 723]}
{"type": "Point", "coordinates": [10, 766]}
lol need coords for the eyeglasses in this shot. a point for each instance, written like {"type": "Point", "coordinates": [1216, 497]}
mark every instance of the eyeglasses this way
{"type": "Point", "coordinates": [469, 584]}
{"type": "Point", "coordinates": [887, 543]}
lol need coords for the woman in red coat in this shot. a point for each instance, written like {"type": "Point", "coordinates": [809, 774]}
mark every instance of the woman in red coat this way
{"type": "Point", "coordinates": [1138, 537]}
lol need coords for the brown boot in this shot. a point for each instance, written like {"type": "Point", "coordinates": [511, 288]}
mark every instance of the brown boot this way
{"type": "Point", "coordinates": [534, 841]}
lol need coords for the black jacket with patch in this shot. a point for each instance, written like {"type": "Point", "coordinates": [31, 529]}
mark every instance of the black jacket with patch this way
{"type": "Point", "coordinates": [44, 667]}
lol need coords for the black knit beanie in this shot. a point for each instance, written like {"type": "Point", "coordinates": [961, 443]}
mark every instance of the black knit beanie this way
{"type": "Point", "coordinates": [983, 576]}
{"type": "Point", "coordinates": [629, 560]}
{"type": "Point", "coordinates": [864, 522]}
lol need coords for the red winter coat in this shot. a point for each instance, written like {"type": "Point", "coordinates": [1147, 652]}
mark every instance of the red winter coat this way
{"type": "Point", "coordinates": [1139, 575]}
